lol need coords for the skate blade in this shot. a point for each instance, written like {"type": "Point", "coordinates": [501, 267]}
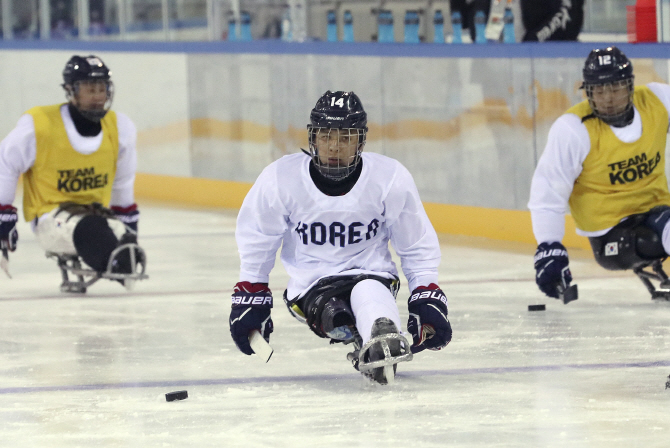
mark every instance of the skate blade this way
{"type": "Point", "coordinates": [389, 374]}
{"type": "Point", "coordinates": [129, 284]}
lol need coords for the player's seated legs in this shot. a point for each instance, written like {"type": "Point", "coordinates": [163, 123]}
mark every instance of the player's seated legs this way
{"type": "Point", "coordinates": [74, 233]}
{"type": "Point", "coordinates": [378, 323]}
{"type": "Point", "coordinates": [54, 232]}
{"type": "Point", "coordinates": [99, 245]}
{"type": "Point", "coordinates": [337, 320]}
{"type": "Point", "coordinates": [637, 243]}
{"type": "Point", "coordinates": [657, 220]}
{"type": "Point", "coordinates": [95, 241]}
{"type": "Point", "coordinates": [371, 300]}
{"type": "Point", "coordinates": [382, 328]}
{"type": "Point", "coordinates": [327, 313]}
{"type": "Point", "coordinates": [629, 244]}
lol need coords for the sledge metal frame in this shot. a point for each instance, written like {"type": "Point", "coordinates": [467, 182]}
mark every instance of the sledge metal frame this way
{"type": "Point", "coordinates": [72, 264]}
{"type": "Point", "coordinates": [657, 274]}
{"type": "Point", "coordinates": [389, 360]}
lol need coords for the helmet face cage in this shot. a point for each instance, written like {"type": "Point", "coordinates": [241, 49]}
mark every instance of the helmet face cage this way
{"type": "Point", "coordinates": [336, 152]}
{"type": "Point", "coordinates": [86, 76]}
{"type": "Point", "coordinates": [72, 93]}
{"type": "Point", "coordinates": [337, 130]}
{"type": "Point", "coordinates": [608, 82]}
{"type": "Point", "coordinates": [612, 102]}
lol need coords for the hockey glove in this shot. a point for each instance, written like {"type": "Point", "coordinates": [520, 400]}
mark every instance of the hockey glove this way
{"type": "Point", "coordinates": [551, 267]}
{"type": "Point", "coordinates": [8, 234]}
{"type": "Point", "coordinates": [428, 322]}
{"type": "Point", "coordinates": [250, 311]}
{"type": "Point", "coordinates": [127, 215]}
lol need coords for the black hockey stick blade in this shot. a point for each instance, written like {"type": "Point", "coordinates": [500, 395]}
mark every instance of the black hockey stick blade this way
{"type": "Point", "coordinates": [569, 294]}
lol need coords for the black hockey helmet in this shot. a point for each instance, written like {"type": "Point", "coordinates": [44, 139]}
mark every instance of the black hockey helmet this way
{"type": "Point", "coordinates": [605, 65]}
{"type": "Point", "coordinates": [609, 67]}
{"type": "Point", "coordinates": [342, 111]}
{"type": "Point", "coordinates": [339, 110]}
{"type": "Point", "coordinates": [87, 69]}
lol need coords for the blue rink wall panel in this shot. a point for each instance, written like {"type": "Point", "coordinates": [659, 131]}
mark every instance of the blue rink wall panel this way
{"type": "Point", "coordinates": [469, 121]}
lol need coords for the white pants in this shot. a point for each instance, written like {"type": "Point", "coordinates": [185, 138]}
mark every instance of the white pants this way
{"type": "Point", "coordinates": [54, 232]}
{"type": "Point", "coordinates": [371, 300]}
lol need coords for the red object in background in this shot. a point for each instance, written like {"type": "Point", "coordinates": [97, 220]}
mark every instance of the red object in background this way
{"type": "Point", "coordinates": [641, 21]}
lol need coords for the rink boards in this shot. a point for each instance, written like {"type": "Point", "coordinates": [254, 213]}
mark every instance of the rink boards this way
{"type": "Point", "coordinates": [469, 122]}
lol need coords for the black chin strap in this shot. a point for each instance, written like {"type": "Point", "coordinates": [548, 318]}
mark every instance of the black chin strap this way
{"type": "Point", "coordinates": [622, 121]}
{"type": "Point", "coordinates": [625, 119]}
{"type": "Point", "coordinates": [334, 187]}
{"type": "Point", "coordinates": [85, 127]}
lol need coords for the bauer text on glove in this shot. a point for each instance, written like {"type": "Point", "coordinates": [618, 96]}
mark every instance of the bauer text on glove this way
{"type": "Point", "coordinates": [428, 318]}
{"type": "Point", "coordinates": [251, 306]}
{"type": "Point", "coordinates": [551, 268]}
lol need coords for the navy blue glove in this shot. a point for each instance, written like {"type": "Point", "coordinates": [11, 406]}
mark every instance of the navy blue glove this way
{"type": "Point", "coordinates": [428, 322]}
{"type": "Point", "coordinates": [8, 234]}
{"type": "Point", "coordinates": [551, 267]}
{"type": "Point", "coordinates": [130, 216]}
{"type": "Point", "coordinates": [250, 311]}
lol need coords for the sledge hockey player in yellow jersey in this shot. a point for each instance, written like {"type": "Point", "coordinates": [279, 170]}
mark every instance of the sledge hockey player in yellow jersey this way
{"type": "Point", "coordinates": [78, 162]}
{"type": "Point", "coordinates": [334, 210]}
{"type": "Point", "coordinates": [605, 159]}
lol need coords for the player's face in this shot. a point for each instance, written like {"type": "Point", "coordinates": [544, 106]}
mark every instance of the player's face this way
{"type": "Point", "coordinates": [611, 99]}
{"type": "Point", "coordinates": [92, 95]}
{"type": "Point", "coordinates": [336, 147]}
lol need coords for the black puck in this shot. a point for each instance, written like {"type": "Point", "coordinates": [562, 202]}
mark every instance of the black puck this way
{"type": "Point", "coordinates": [536, 307]}
{"type": "Point", "coordinates": [178, 395]}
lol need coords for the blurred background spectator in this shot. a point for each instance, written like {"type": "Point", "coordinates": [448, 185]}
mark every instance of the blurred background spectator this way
{"type": "Point", "coordinates": [552, 19]}
{"type": "Point", "coordinates": [468, 9]}
{"type": "Point", "coordinates": [62, 22]}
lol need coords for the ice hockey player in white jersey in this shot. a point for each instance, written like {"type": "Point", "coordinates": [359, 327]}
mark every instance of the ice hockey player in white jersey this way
{"type": "Point", "coordinates": [333, 212]}
{"type": "Point", "coordinates": [605, 159]}
{"type": "Point", "coordinates": [77, 159]}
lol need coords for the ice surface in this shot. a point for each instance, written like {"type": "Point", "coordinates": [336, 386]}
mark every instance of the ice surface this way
{"type": "Point", "coordinates": [92, 370]}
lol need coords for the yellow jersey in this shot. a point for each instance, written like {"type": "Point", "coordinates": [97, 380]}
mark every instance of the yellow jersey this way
{"type": "Point", "coordinates": [620, 179]}
{"type": "Point", "coordinates": [60, 173]}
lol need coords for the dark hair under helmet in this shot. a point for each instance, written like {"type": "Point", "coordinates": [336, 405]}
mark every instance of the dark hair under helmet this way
{"type": "Point", "coordinates": [87, 68]}
{"type": "Point", "coordinates": [609, 66]}
{"type": "Point", "coordinates": [343, 111]}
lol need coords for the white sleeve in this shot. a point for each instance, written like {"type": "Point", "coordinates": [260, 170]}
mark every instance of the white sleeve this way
{"type": "Point", "coordinates": [662, 91]}
{"type": "Point", "coordinates": [412, 235]}
{"type": "Point", "coordinates": [123, 194]}
{"type": "Point", "coordinates": [568, 144]}
{"type": "Point", "coordinates": [261, 225]}
{"type": "Point", "coordinates": [17, 155]}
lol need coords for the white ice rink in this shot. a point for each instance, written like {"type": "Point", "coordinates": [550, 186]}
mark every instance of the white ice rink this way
{"type": "Point", "coordinates": [92, 370]}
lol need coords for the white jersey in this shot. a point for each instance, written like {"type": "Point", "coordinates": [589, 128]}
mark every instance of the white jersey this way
{"type": "Point", "coordinates": [568, 144]}
{"type": "Point", "coordinates": [328, 235]}
{"type": "Point", "coordinates": [18, 149]}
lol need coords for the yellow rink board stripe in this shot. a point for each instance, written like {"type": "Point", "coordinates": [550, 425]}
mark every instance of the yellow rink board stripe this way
{"type": "Point", "coordinates": [499, 224]}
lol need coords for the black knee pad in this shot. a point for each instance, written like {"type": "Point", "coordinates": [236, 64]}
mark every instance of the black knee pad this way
{"type": "Point", "coordinates": [629, 244]}
{"type": "Point", "coordinates": [95, 241]}
{"type": "Point", "coordinates": [648, 244]}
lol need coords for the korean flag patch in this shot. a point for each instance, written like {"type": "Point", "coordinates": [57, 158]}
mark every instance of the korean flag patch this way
{"type": "Point", "coordinates": [611, 249]}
